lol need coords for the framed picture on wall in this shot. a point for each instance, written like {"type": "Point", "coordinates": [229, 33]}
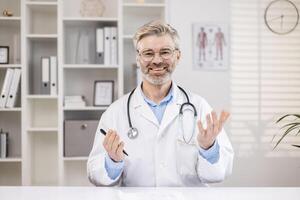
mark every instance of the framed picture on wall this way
{"type": "Point", "coordinates": [210, 46]}
{"type": "Point", "coordinates": [103, 92]}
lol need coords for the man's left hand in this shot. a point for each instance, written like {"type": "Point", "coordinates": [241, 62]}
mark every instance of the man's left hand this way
{"type": "Point", "coordinates": [207, 137]}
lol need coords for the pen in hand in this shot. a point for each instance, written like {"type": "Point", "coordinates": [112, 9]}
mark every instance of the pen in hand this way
{"type": "Point", "coordinates": [104, 133]}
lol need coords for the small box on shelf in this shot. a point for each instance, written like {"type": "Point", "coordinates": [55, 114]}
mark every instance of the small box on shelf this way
{"type": "Point", "coordinates": [78, 137]}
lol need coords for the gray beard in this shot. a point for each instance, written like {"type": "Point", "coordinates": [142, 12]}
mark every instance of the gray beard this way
{"type": "Point", "coordinates": [157, 80]}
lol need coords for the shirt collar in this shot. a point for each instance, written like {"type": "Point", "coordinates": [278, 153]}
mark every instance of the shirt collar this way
{"type": "Point", "coordinates": [166, 99]}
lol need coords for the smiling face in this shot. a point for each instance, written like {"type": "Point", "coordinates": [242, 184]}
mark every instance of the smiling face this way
{"type": "Point", "coordinates": [158, 70]}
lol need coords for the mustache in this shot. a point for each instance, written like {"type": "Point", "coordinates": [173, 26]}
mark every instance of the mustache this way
{"type": "Point", "coordinates": [160, 65]}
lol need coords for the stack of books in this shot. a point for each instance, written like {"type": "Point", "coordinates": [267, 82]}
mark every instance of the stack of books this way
{"type": "Point", "coordinates": [3, 144]}
{"type": "Point", "coordinates": [74, 102]}
{"type": "Point", "coordinates": [10, 88]}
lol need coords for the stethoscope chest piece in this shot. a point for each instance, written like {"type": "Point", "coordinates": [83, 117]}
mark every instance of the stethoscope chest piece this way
{"type": "Point", "coordinates": [132, 133]}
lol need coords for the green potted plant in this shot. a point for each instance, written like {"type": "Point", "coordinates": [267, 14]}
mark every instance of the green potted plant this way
{"type": "Point", "coordinates": [289, 128]}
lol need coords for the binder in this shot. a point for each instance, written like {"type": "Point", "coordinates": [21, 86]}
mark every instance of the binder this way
{"type": "Point", "coordinates": [114, 46]}
{"type": "Point", "coordinates": [45, 87]}
{"type": "Point", "coordinates": [3, 144]}
{"type": "Point", "coordinates": [11, 99]}
{"type": "Point", "coordinates": [53, 75]}
{"type": "Point", "coordinates": [5, 87]}
{"type": "Point", "coordinates": [99, 39]}
{"type": "Point", "coordinates": [107, 46]}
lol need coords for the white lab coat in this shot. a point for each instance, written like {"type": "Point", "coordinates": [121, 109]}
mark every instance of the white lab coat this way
{"type": "Point", "coordinates": [158, 156]}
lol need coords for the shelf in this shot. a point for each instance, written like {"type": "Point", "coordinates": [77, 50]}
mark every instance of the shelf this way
{"type": "Point", "coordinates": [89, 66]}
{"type": "Point", "coordinates": [10, 160]}
{"type": "Point", "coordinates": [10, 18]}
{"type": "Point", "coordinates": [144, 5]}
{"type": "Point", "coordinates": [87, 108]}
{"type": "Point", "coordinates": [39, 37]}
{"type": "Point", "coordinates": [10, 65]}
{"type": "Point", "coordinates": [99, 19]}
{"type": "Point", "coordinates": [49, 129]}
{"type": "Point", "coordinates": [10, 109]}
{"type": "Point", "coordinates": [75, 158]}
{"type": "Point", "coordinates": [41, 97]}
{"type": "Point", "coordinates": [39, 4]}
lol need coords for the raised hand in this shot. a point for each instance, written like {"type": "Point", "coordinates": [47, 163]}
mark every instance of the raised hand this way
{"type": "Point", "coordinates": [113, 146]}
{"type": "Point", "coordinates": [207, 137]}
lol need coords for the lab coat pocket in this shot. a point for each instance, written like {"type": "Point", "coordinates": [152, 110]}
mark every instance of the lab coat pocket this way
{"type": "Point", "coordinates": [187, 155]}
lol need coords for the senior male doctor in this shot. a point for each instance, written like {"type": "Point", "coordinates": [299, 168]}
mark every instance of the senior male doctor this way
{"type": "Point", "coordinates": [172, 136]}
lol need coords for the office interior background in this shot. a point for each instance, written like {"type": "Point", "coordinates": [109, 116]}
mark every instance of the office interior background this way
{"type": "Point", "coordinates": [259, 83]}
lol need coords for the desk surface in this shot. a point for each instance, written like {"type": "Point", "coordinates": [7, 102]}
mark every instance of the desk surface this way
{"type": "Point", "coordinates": [101, 193]}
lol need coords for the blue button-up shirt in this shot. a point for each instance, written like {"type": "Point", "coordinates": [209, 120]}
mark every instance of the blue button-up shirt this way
{"type": "Point", "coordinates": [211, 155]}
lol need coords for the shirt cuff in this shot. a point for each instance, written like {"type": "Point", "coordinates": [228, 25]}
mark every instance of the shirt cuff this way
{"type": "Point", "coordinates": [212, 154]}
{"type": "Point", "coordinates": [113, 168]}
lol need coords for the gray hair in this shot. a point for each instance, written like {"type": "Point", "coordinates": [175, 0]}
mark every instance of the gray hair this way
{"type": "Point", "coordinates": [158, 28]}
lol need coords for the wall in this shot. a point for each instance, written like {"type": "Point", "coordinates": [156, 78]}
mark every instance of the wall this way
{"type": "Point", "coordinates": [258, 166]}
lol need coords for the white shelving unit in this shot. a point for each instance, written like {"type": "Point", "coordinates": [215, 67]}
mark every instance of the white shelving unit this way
{"type": "Point", "coordinates": [10, 118]}
{"type": "Point", "coordinates": [37, 154]}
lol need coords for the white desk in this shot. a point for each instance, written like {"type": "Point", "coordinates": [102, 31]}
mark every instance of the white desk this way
{"type": "Point", "coordinates": [103, 193]}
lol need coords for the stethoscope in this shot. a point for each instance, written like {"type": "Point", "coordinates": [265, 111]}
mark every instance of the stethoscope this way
{"type": "Point", "coordinates": [133, 132]}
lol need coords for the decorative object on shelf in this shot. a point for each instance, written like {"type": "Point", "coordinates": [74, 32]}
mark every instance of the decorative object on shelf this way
{"type": "Point", "coordinates": [210, 46]}
{"type": "Point", "coordinates": [6, 12]}
{"type": "Point", "coordinates": [4, 54]}
{"type": "Point", "coordinates": [91, 8]}
{"type": "Point", "coordinates": [3, 144]}
{"type": "Point", "coordinates": [74, 102]}
{"type": "Point", "coordinates": [281, 16]}
{"type": "Point", "coordinates": [103, 93]}
{"type": "Point", "coordinates": [293, 126]}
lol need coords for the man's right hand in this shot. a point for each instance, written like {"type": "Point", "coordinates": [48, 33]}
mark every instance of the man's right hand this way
{"type": "Point", "coordinates": [113, 146]}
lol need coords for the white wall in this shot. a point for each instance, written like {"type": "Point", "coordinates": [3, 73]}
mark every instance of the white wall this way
{"type": "Point", "coordinates": [256, 167]}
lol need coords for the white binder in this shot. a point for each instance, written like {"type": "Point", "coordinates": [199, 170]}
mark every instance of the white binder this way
{"type": "Point", "coordinates": [5, 87]}
{"type": "Point", "coordinates": [107, 46]}
{"type": "Point", "coordinates": [45, 75]}
{"type": "Point", "coordinates": [114, 46]}
{"type": "Point", "coordinates": [11, 99]}
{"type": "Point", "coordinates": [100, 38]}
{"type": "Point", "coordinates": [53, 75]}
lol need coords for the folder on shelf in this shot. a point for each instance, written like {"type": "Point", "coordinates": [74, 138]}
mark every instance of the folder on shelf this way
{"type": "Point", "coordinates": [45, 88]}
{"type": "Point", "coordinates": [3, 144]}
{"type": "Point", "coordinates": [53, 75]}
{"type": "Point", "coordinates": [6, 87]}
{"type": "Point", "coordinates": [114, 46]}
{"type": "Point", "coordinates": [11, 99]}
{"type": "Point", "coordinates": [99, 41]}
{"type": "Point", "coordinates": [107, 46]}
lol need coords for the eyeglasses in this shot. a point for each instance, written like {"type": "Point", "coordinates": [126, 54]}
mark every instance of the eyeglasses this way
{"type": "Point", "coordinates": [148, 54]}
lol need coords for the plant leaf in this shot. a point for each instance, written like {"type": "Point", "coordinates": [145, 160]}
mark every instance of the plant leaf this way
{"type": "Point", "coordinates": [287, 115]}
{"type": "Point", "coordinates": [286, 133]}
{"type": "Point", "coordinates": [294, 145]}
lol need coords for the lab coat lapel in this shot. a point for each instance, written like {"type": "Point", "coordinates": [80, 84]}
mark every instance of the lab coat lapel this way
{"type": "Point", "coordinates": [143, 108]}
{"type": "Point", "coordinates": [172, 110]}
